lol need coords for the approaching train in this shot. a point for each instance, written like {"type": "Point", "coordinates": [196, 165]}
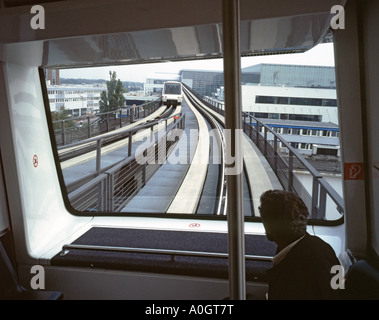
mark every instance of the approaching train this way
{"type": "Point", "coordinates": [172, 93]}
{"type": "Point", "coordinates": [50, 249]}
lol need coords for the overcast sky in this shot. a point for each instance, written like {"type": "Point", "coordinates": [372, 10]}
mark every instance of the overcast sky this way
{"type": "Point", "coordinates": [321, 55]}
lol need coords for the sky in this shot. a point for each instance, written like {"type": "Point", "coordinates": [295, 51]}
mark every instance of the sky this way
{"type": "Point", "coordinates": [321, 55]}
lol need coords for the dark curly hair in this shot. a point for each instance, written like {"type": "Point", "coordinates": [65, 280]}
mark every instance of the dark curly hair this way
{"type": "Point", "coordinates": [284, 214]}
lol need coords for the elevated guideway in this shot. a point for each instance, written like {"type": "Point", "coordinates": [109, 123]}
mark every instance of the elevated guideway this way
{"type": "Point", "coordinates": [191, 179]}
{"type": "Point", "coordinates": [157, 195]}
{"type": "Point", "coordinates": [177, 188]}
{"type": "Point", "coordinates": [75, 160]}
{"type": "Point", "coordinates": [85, 164]}
{"type": "Point", "coordinates": [259, 176]}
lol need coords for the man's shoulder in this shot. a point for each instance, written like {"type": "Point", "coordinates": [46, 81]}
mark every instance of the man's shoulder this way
{"type": "Point", "coordinates": [304, 273]}
{"type": "Point", "coordinates": [315, 248]}
{"type": "Point", "coordinates": [315, 241]}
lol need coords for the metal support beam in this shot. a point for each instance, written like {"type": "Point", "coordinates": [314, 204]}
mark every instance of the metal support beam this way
{"type": "Point", "coordinates": [233, 124]}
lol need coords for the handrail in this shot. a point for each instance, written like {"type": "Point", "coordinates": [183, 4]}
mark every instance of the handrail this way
{"type": "Point", "coordinates": [106, 113]}
{"type": "Point", "coordinates": [321, 188]}
{"type": "Point", "coordinates": [113, 188]}
{"type": "Point", "coordinates": [128, 132]}
{"type": "Point", "coordinates": [131, 113]}
{"type": "Point", "coordinates": [113, 134]}
{"type": "Point", "coordinates": [66, 248]}
{"type": "Point", "coordinates": [317, 208]}
{"type": "Point", "coordinates": [302, 160]}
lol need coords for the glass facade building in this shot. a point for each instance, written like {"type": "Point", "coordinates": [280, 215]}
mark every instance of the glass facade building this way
{"type": "Point", "coordinates": [293, 75]}
{"type": "Point", "coordinates": [204, 82]}
{"type": "Point", "coordinates": [207, 82]}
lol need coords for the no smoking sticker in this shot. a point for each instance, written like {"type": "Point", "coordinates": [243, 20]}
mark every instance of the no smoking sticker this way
{"type": "Point", "coordinates": [35, 161]}
{"type": "Point", "coordinates": [194, 225]}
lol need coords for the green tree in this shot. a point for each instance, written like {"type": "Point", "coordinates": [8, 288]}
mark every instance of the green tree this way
{"type": "Point", "coordinates": [62, 114]}
{"type": "Point", "coordinates": [113, 98]}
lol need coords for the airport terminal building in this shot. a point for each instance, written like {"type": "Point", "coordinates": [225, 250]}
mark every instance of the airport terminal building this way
{"type": "Point", "coordinates": [298, 102]}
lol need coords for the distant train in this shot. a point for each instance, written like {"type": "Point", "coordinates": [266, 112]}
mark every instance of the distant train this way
{"type": "Point", "coordinates": [172, 93]}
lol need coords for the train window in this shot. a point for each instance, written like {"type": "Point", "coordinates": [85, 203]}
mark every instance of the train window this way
{"type": "Point", "coordinates": [152, 144]}
{"type": "Point", "coordinates": [171, 88]}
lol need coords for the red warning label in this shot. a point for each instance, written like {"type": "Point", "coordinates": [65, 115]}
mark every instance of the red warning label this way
{"type": "Point", "coordinates": [194, 225]}
{"type": "Point", "coordinates": [354, 171]}
{"type": "Point", "coordinates": [35, 161]}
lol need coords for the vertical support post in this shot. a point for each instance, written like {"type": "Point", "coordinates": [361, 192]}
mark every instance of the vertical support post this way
{"type": "Point", "coordinates": [132, 114]}
{"type": "Point", "coordinates": [322, 206]}
{"type": "Point", "coordinates": [98, 156]}
{"type": "Point", "coordinates": [251, 127]}
{"type": "Point", "coordinates": [275, 154]}
{"type": "Point", "coordinates": [130, 144]}
{"type": "Point", "coordinates": [111, 182]}
{"type": "Point", "coordinates": [257, 133]}
{"type": "Point", "coordinates": [63, 134]}
{"type": "Point", "coordinates": [89, 126]}
{"type": "Point", "coordinates": [265, 141]}
{"type": "Point", "coordinates": [290, 171]}
{"type": "Point", "coordinates": [233, 124]}
{"type": "Point", "coordinates": [314, 209]}
{"type": "Point", "coordinates": [144, 170]}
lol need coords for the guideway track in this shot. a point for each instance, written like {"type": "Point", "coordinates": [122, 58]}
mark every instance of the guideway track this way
{"type": "Point", "coordinates": [158, 193]}
{"type": "Point", "coordinates": [165, 193]}
{"type": "Point", "coordinates": [194, 185]}
{"type": "Point", "coordinates": [218, 120]}
{"type": "Point", "coordinates": [216, 158]}
{"type": "Point", "coordinates": [177, 187]}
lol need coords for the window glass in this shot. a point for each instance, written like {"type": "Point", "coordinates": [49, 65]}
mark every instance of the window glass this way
{"type": "Point", "coordinates": [170, 88]}
{"type": "Point", "coordinates": [122, 151]}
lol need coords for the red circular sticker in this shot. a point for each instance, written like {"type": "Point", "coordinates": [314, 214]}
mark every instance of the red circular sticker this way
{"type": "Point", "coordinates": [35, 161]}
{"type": "Point", "coordinates": [194, 225]}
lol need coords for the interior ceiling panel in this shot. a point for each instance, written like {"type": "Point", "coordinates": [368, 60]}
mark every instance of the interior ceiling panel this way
{"type": "Point", "coordinates": [274, 34]}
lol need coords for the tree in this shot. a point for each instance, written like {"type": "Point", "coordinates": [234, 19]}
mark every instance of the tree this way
{"type": "Point", "coordinates": [62, 114]}
{"type": "Point", "coordinates": [113, 98]}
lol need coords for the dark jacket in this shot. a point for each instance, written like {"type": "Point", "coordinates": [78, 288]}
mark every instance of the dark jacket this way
{"type": "Point", "coordinates": [304, 273]}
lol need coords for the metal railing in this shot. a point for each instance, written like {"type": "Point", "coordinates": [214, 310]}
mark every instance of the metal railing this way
{"type": "Point", "coordinates": [110, 189]}
{"type": "Point", "coordinates": [172, 253]}
{"type": "Point", "coordinates": [75, 129]}
{"type": "Point", "coordinates": [285, 163]}
{"type": "Point", "coordinates": [91, 196]}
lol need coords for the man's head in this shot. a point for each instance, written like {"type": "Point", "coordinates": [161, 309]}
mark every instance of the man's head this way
{"type": "Point", "coordinates": [284, 215]}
